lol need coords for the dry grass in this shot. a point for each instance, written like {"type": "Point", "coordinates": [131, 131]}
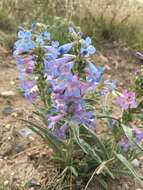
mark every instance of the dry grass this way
{"type": "Point", "coordinates": [105, 20]}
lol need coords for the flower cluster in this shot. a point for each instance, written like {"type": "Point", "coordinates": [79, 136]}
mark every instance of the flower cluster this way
{"type": "Point", "coordinates": [127, 100]}
{"type": "Point", "coordinates": [67, 71]}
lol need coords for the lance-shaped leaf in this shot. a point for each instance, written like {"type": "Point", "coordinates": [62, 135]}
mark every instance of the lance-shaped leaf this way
{"type": "Point", "coordinates": [129, 166]}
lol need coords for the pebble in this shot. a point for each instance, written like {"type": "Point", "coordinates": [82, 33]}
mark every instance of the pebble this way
{"type": "Point", "coordinates": [6, 183]}
{"type": "Point", "coordinates": [136, 163]}
{"type": "Point", "coordinates": [31, 138]}
{"type": "Point", "coordinates": [125, 186]}
{"type": "Point", "coordinates": [104, 59]}
{"type": "Point", "coordinates": [8, 126]}
{"type": "Point", "coordinates": [19, 148]}
{"type": "Point", "coordinates": [12, 83]}
{"type": "Point", "coordinates": [107, 67]}
{"type": "Point", "coordinates": [9, 138]}
{"type": "Point", "coordinates": [7, 93]}
{"type": "Point", "coordinates": [32, 183]}
{"type": "Point", "coordinates": [18, 112]}
{"type": "Point", "coordinates": [14, 114]}
{"type": "Point", "coordinates": [7, 110]}
{"type": "Point", "coordinates": [25, 132]}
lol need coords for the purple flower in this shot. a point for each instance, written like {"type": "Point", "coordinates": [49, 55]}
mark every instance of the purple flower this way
{"type": "Point", "coordinates": [29, 89]}
{"type": "Point", "coordinates": [139, 134]}
{"type": "Point", "coordinates": [55, 44]}
{"type": "Point", "coordinates": [52, 120]}
{"type": "Point", "coordinates": [55, 67]}
{"type": "Point", "coordinates": [110, 86]}
{"type": "Point", "coordinates": [86, 118]}
{"type": "Point", "coordinates": [139, 55]}
{"type": "Point", "coordinates": [73, 89]}
{"type": "Point", "coordinates": [124, 143]}
{"type": "Point", "coordinates": [60, 132]}
{"type": "Point", "coordinates": [127, 100]}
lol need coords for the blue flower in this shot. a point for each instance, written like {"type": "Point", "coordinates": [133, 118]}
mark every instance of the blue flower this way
{"type": "Point", "coordinates": [65, 48]}
{"type": "Point", "coordinates": [55, 44]}
{"type": "Point", "coordinates": [94, 75]}
{"type": "Point", "coordinates": [26, 35]}
{"type": "Point", "coordinates": [51, 53]}
{"type": "Point", "coordinates": [24, 44]}
{"type": "Point", "coordinates": [41, 38]}
{"type": "Point", "coordinates": [47, 35]}
{"type": "Point", "coordinates": [86, 48]}
{"type": "Point", "coordinates": [60, 132]}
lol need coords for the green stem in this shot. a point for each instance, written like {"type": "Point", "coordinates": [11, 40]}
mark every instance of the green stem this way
{"type": "Point", "coordinates": [41, 79]}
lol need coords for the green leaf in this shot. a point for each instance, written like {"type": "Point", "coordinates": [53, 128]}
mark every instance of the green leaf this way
{"type": "Point", "coordinates": [129, 166]}
{"type": "Point", "coordinates": [96, 138]}
{"type": "Point", "coordinates": [58, 146]}
{"type": "Point", "coordinates": [87, 148]}
{"type": "Point", "coordinates": [102, 182]}
{"type": "Point", "coordinates": [73, 170]}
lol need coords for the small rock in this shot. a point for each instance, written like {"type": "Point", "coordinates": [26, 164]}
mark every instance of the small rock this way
{"type": "Point", "coordinates": [32, 183]}
{"type": "Point", "coordinates": [19, 148]}
{"type": "Point", "coordinates": [8, 126]}
{"type": "Point", "coordinates": [138, 189]}
{"type": "Point", "coordinates": [125, 186]}
{"type": "Point", "coordinates": [12, 173]}
{"type": "Point", "coordinates": [7, 110]}
{"type": "Point", "coordinates": [104, 59]}
{"type": "Point", "coordinates": [7, 93]}
{"type": "Point", "coordinates": [107, 67]}
{"type": "Point", "coordinates": [9, 138]}
{"type": "Point", "coordinates": [6, 183]}
{"type": "Point", "coordinates": [12, 83]}
{"type": "Point", "coordinates": [136, 163]}
{"type": "Point", "coordinates": [18, 112]}
{"type": "Point", "coordinates": [116, 63]}
{"type": "Point", "coordinates": [14, 114]}
{"type": "Point", "coordinates": [25, 132]}
{"type": "Point", "coordinates": [31, 138]}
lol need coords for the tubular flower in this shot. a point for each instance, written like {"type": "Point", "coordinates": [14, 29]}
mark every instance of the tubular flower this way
{"type": "Point", "coordinates": [127, 100]}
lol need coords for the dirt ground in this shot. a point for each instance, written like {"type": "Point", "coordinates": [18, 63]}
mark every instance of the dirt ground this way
{"type": "Point", "coordinates": [24, 159]}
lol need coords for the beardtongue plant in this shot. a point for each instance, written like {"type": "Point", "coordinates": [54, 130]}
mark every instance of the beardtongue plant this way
{"type": "Point", "coordinates": [67, 91]}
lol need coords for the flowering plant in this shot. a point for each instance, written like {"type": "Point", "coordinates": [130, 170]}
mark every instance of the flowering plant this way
{"type": "Point", "coordinates": [67, 91]}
